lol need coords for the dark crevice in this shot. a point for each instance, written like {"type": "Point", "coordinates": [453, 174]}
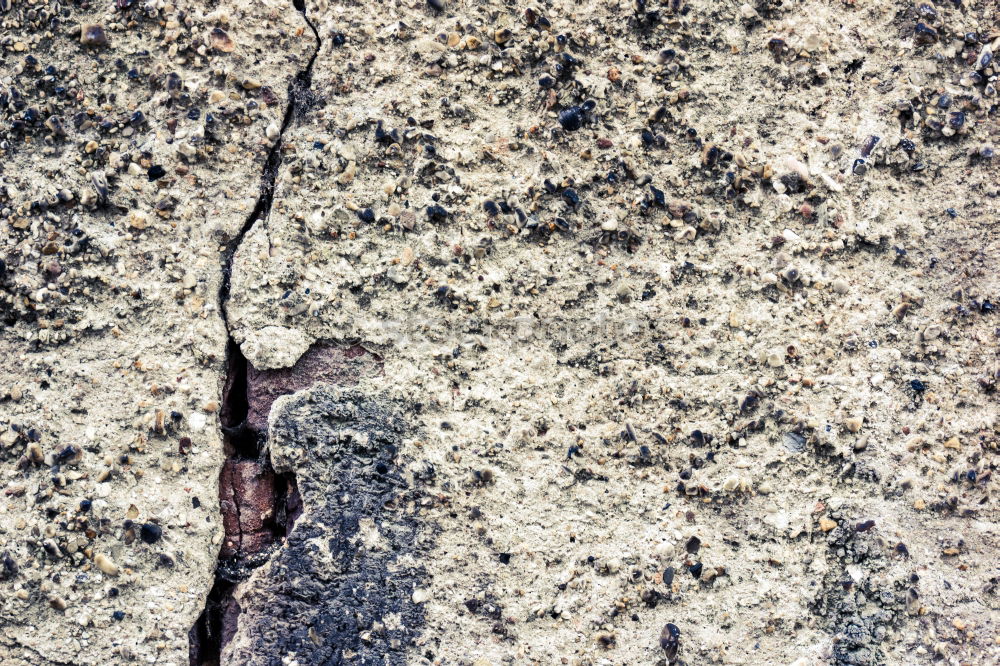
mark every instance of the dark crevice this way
{"type": "Point", "coordinates": [216, 624]}
{"type": "Point", "coordinates": [239, 440]}
{"type": "Point", "coordinates": [206, 637]}
{"type": "Point", "coordinates": [291, 500]}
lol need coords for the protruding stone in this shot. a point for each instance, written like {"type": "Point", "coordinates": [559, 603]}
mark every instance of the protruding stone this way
{"type": "Point", "coordinates": [106, 564]}
{"type": "Point", "coordinates": [92, 34]}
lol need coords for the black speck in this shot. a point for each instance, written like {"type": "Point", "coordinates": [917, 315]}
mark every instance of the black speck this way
{"type": "Point", "coordinates": [150, 532]}
{"type": "Point", "coordinates": [571, 198]}
{"type": "Point", "coordinates": [571, 119]}
{"type": "Point", "coordinates": [865, 526]}
{"type": "Point", "coordinates": [437, 213]}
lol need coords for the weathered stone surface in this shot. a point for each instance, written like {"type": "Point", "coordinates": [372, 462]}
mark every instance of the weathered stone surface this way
{"type": "Point", "coordinates": [126, 165]}
{"type": "Point", "coordinates": [248, 497]}
{"type": "Point", "coordinates": [616, 256]}
{"type": "Point", "coordinates": [642, 275]}
{"type": "Point", "coordinates": [341, 588]}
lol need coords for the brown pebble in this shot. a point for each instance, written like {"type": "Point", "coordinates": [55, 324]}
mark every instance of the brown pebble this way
{"type": "Point", "coordinates": [92, 34]}
{"type": "Point", "coordinates": [221, 41]}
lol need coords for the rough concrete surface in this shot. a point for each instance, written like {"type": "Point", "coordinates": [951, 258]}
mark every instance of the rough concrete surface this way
{"type": "Point", "coordinates": [604, 332]}
{"type": "Point", "coordinates": [112, 341]}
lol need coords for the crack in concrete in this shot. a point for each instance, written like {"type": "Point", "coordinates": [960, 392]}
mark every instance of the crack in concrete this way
{"type": "Point", "coordinates": [262, 208]}
{"type": "Point", "coordinates": [207, 636]}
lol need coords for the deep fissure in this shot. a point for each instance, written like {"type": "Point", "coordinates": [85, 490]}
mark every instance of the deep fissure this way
{"type": "Point", "coordinates": [240, 442]}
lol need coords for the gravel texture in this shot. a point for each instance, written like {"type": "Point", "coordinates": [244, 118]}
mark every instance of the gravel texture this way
{"type": "Point", "coordinates": [606, 332]}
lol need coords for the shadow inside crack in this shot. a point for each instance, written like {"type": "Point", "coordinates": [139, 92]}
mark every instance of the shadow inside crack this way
{"type": "Point", "coordinates": [246, 475]}
{"type": "Point", "coordinates": [242, 552]}
{"type": "Point", "coordinates": [259, 505]}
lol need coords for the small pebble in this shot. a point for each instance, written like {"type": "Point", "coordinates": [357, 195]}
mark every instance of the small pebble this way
{"type": "Point", "coordinates": [571, 119]}
{"type": "Point", "coordinates": [92, 34]}
{"type": "Point", "coordinates": [106, 564]}
{"type": "Point", "coordinates": [670, 638]}
{"type": "Point", "coordinates": [221, 41]}
{"type": "Point", "coordinates": [150, 532]}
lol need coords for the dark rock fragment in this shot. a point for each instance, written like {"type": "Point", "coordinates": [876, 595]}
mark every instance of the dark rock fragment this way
{"type": "Point", "coordinates": [150, 533]}
{"type": "Point", "coordinates": [323, 591]}
{"type": "Point", "coordinates": [670, 638]}
{"type": "Point", "coordinates": [92, 34]}
{"type": "Point", "coordinates": [571, 119]}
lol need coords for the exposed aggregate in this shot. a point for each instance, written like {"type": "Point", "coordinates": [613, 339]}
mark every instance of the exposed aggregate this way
{"type": "Point", "coordinates": [686, 311]}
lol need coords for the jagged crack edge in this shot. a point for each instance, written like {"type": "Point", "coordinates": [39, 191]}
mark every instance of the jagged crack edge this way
{"type": "Point", "coordinates": [262, 207]}
{"type": "Point", "coordinates": [261, 210]}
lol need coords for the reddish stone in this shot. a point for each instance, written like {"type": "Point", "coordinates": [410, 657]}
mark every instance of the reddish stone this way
{"type": "Point", "coordinates": [342, 366]}
{"type": "Point", "coordinates": [257, 542]}
{"type": "Point", "coordinates": [247, 497]}
{"type": "Point", "coordinates": [254, 486]}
